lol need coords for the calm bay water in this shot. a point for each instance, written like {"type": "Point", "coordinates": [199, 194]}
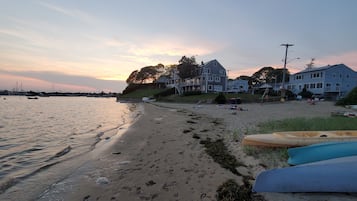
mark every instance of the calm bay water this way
{"type": "Point", "coordinates": [36, 135]}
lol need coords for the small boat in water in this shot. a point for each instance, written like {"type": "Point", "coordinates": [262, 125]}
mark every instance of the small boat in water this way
{"type": "Point", "coordinates": [32, 97]}
{"type": "Point", "coordinates": [334, 175]}
{"type": "Point", "coordinates": [321, 151]}
{"type": "Point", "coordinates": [299, 138]}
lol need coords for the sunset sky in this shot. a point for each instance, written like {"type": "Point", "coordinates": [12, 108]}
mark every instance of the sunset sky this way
{"type": "Point", "coordinates": [93, 46]}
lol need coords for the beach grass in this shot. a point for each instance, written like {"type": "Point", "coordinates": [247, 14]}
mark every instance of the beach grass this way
{"type": "Point", "coordinates": [309, 124]}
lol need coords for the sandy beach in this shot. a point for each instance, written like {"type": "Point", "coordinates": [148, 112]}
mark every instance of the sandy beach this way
{"type": "Point", "coordinates": [160, 156]}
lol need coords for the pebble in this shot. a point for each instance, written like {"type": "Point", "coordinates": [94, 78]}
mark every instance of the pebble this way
{"type": "Point", "coordinates": [102, 180]}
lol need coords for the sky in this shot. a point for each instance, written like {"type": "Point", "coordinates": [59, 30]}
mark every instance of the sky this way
{"type": "Point", "coordinates": [93, 46]}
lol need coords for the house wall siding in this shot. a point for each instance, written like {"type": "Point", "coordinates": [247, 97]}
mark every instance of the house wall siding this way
{"type": "Point", "coordinates": [336, 79]}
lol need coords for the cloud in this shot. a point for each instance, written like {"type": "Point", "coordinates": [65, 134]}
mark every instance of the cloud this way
{"type": "Point", "coordinates": [74, 13]}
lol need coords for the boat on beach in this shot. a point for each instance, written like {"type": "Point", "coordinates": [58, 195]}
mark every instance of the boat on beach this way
{"type": "Point", "coordinates": [337, 175]}
{"type": "Point", "coordinates": [299, 138]}
{"type": "Point", "coordinates": [321, 151]}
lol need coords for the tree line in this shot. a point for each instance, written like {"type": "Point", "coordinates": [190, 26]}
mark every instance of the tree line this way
{"type": "Point", "coordinates": [187, 67]}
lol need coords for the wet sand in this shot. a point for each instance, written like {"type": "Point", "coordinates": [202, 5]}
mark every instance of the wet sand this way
{"type": "Point", "coordinates": [160, 157]}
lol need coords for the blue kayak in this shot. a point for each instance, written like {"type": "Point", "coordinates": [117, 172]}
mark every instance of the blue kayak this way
{"type": "Point", "coordinates": [321, 151]}
{"type": "Point", "coordinates": [334, 175]}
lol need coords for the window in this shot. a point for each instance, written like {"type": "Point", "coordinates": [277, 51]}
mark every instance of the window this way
{"type": "Point", "coordinates": [299, 77]}
{"type": "Point", "coordinates": [210, 87]}
{"type": "Point", "coordinates": [217, 79]}
{"type": "Point", "coordinates": [210, 78]}
{"type": "Point", "coordinates": [315, 75]}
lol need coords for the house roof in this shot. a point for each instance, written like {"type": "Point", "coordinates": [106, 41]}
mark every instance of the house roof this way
{"type": "Point", "coordinates": [323, 68]}
{"type": "Point", "coordinates": [213, 64]}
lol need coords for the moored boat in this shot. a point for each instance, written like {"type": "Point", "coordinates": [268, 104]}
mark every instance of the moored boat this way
{"type": "Point", "coordinates": [299, 138]}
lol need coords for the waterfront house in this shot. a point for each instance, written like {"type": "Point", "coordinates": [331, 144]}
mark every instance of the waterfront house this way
{"type": "Point", "coordinates": [332, 81]}
{"type": "Point", "coordinates": [211, 77]}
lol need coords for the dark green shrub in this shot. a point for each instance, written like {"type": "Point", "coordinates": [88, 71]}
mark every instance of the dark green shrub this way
{"type": "Point", "coordinates": [220, 99]}
{"type": "Point", "coordinates": [192, 93]}
{"type": "Point", "coordinates": [167, 92]}
{"type": "Point", "coordinates": [350, 99]}
{"type": "Point", "coordinates": [305, 93]}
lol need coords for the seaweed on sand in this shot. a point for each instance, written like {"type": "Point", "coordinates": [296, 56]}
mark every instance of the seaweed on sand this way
{"type": "Point", "coordinates": [220, 154]}
{"type": "Point", "coordinates": [229, 190]}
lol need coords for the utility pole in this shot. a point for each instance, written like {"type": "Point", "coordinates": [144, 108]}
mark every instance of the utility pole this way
{"type": "Point", "coordinates": [284, 71]}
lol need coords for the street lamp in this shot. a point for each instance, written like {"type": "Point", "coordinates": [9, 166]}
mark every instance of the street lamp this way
{"type": "Point", "coordinates": [284, 71]}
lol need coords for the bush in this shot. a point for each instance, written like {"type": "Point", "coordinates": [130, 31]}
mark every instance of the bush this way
{"type": "Point", "coordinates": [350, 99]}
{"type": "Point", "coordinates": [305, 93]}
{"type": "Point", "coordinates": [167, 92]}
{"type": "Point", "coordinates": [192, 93]}
{"type": "Point", "coordinates": [290, 94]}
{"type": "Point", "coordinates": [220, 99]}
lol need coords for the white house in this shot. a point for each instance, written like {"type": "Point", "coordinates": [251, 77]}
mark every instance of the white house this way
{"type": "Point", "coordinates": [237, 86]}
{"type": "Point", "coordinates": [328, 81]}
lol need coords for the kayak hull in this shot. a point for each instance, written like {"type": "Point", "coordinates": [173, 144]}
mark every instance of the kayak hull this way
{"type": "Point", "coordinates": [321, 151]}
{"type": "Point", "coordinates": [334, 175]}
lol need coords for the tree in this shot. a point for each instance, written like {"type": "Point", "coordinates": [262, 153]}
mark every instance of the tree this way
{"type": "Point", "coordinates": [187, 67]}
{"type": "Point", "coordinates": [146, 74]}
{"type": "Point", "coordinates": [269, 75]}
{"type": "Point", "coordinates": [132, 77]}
{"type": "Point", "coordinates": [277, 75]}
{"type": "Point", "coordinates": [262, 75]}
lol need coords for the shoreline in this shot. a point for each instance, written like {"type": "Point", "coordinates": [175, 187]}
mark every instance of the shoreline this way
{"type": "Point", "coordinates": [156, 159]}
{"type": "Point", "coordinates": [160, 156]}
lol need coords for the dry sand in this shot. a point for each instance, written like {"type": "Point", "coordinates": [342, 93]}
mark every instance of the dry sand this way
{"type": "Point", "coordinates": [159, 159]}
